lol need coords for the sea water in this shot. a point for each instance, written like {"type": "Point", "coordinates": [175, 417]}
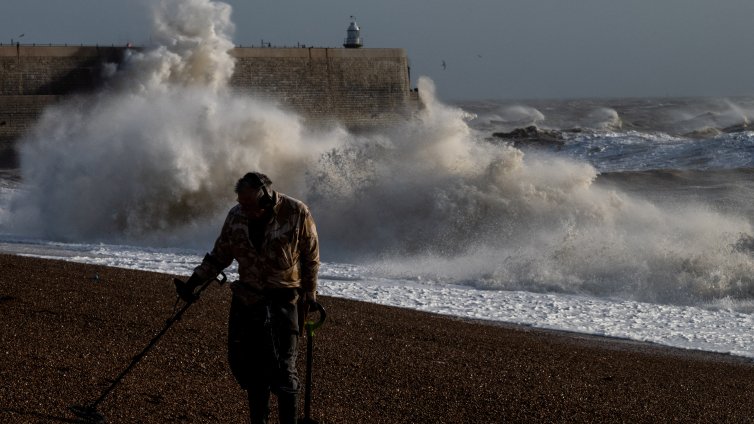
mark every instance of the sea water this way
{"type": "Point", "coordinates": [633, 221]}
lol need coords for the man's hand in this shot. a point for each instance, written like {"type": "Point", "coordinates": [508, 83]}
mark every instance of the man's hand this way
{"type": "Point", "coordinates": [309, 298]}
{"type": "Point", "coordinates": [304, 302]}
{"type": "Point", "coordinates": [186, 290]}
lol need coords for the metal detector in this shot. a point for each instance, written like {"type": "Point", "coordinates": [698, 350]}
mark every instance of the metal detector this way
{"type": "Point", "coordinates": [310, 327]}
{"type": "Point", "coordinates": [88, 413]}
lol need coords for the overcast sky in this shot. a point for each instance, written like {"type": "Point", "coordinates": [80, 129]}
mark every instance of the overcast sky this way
{"type": "Point", "coordinates": [493, 49]}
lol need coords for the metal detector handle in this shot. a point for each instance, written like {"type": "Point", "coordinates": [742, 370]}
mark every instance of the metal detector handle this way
{"type": "Point", "coordinates": [208, 282]}
{"type": "Point", "coordinates": [193, 296]}
{"type": "Point", "coordinates": [219, 280]}
{"type": "Point", "coordinates": [312, 325]}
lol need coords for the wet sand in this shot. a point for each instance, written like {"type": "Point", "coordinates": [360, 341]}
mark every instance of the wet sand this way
{"type": "Point", "coordinates": [68, 329]}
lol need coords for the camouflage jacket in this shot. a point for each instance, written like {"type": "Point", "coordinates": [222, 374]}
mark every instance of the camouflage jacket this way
{"type": "Point", "coordinates": [287, 258]}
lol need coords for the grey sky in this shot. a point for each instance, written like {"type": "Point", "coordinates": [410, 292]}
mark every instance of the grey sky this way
{"type": "Point", "coordinates": [493, 49]}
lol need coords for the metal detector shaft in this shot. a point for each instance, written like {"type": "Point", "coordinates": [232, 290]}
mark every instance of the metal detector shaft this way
{"type": "Point", "coordinates": [310, 327]}
{"type": "Point", "coordinates": [155, 339]}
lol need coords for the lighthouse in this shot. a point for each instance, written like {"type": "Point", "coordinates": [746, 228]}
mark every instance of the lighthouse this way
{"type": "Point", "coordinates": [353, 41]}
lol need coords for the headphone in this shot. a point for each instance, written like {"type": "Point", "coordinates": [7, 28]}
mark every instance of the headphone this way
{"type": "Point", "coordinates": [265, 200]}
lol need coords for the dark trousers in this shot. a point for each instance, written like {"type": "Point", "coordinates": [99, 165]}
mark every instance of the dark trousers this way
{"type": "Point", "coordinates": [262, 349]}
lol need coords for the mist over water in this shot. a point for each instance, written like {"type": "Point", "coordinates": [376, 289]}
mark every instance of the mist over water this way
{"type": "Point", "coordinates": [152, 160]}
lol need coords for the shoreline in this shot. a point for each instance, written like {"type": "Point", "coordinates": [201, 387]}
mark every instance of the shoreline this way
{"type": "Point", "coordinates": [65, 334]}
{"type": "Point", "coordinates": [627, 344]}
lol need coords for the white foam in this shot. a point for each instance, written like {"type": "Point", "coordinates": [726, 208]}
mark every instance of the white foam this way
{"type": "Point", "coordinates": [685, 327]}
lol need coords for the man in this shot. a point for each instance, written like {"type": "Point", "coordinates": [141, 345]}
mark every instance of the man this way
{"type": "Point", "coordinates": [274, 240]}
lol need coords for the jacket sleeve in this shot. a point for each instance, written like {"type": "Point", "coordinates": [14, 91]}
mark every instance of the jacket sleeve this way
{"type": "Point", "coordinates": [308, 253]}
{"type": "Point", "coordinates": [221, 256]}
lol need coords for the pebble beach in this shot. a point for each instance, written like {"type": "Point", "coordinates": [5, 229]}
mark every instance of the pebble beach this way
{"type": "Point", "coordinates": [67, 330]}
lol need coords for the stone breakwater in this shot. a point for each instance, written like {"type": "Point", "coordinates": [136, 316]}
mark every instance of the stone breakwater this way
{"type": "Point", "coordinates": [358, 88]}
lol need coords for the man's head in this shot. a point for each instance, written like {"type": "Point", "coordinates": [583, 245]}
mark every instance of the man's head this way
{"type": "Point", "coordinates": [253, 193]}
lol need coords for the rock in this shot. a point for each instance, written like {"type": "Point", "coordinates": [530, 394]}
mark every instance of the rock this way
{"type": "Point", "coordinates": [532, 136]}
{"type": "Point", "coordinates": [706, 132]}
{"type": "Point", "coordinates": [744, 126]}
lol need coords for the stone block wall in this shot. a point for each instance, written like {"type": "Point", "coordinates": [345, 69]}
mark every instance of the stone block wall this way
{"type": "Point", "coordinates": [35, 70]}
{"type": "Point", "coordinates": [359, 88]}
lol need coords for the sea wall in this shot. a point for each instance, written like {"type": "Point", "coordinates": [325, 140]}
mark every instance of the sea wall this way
{"type": "Point", "coordinates": [358, 87]}
{"type": "Point", "coordinates": [361, 89]}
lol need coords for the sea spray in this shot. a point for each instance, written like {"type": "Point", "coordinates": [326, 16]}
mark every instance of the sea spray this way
{"type": "Point", "coordinates": [708, 118]}
{"type": "Point", "coordinates": [520, 116]}
{"type": "Point", "coordinates": [435, 200]}
{"type": "Point", "coordinates": [604, 119]}
{"type": "Point", "coordinates": [153, 157]}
